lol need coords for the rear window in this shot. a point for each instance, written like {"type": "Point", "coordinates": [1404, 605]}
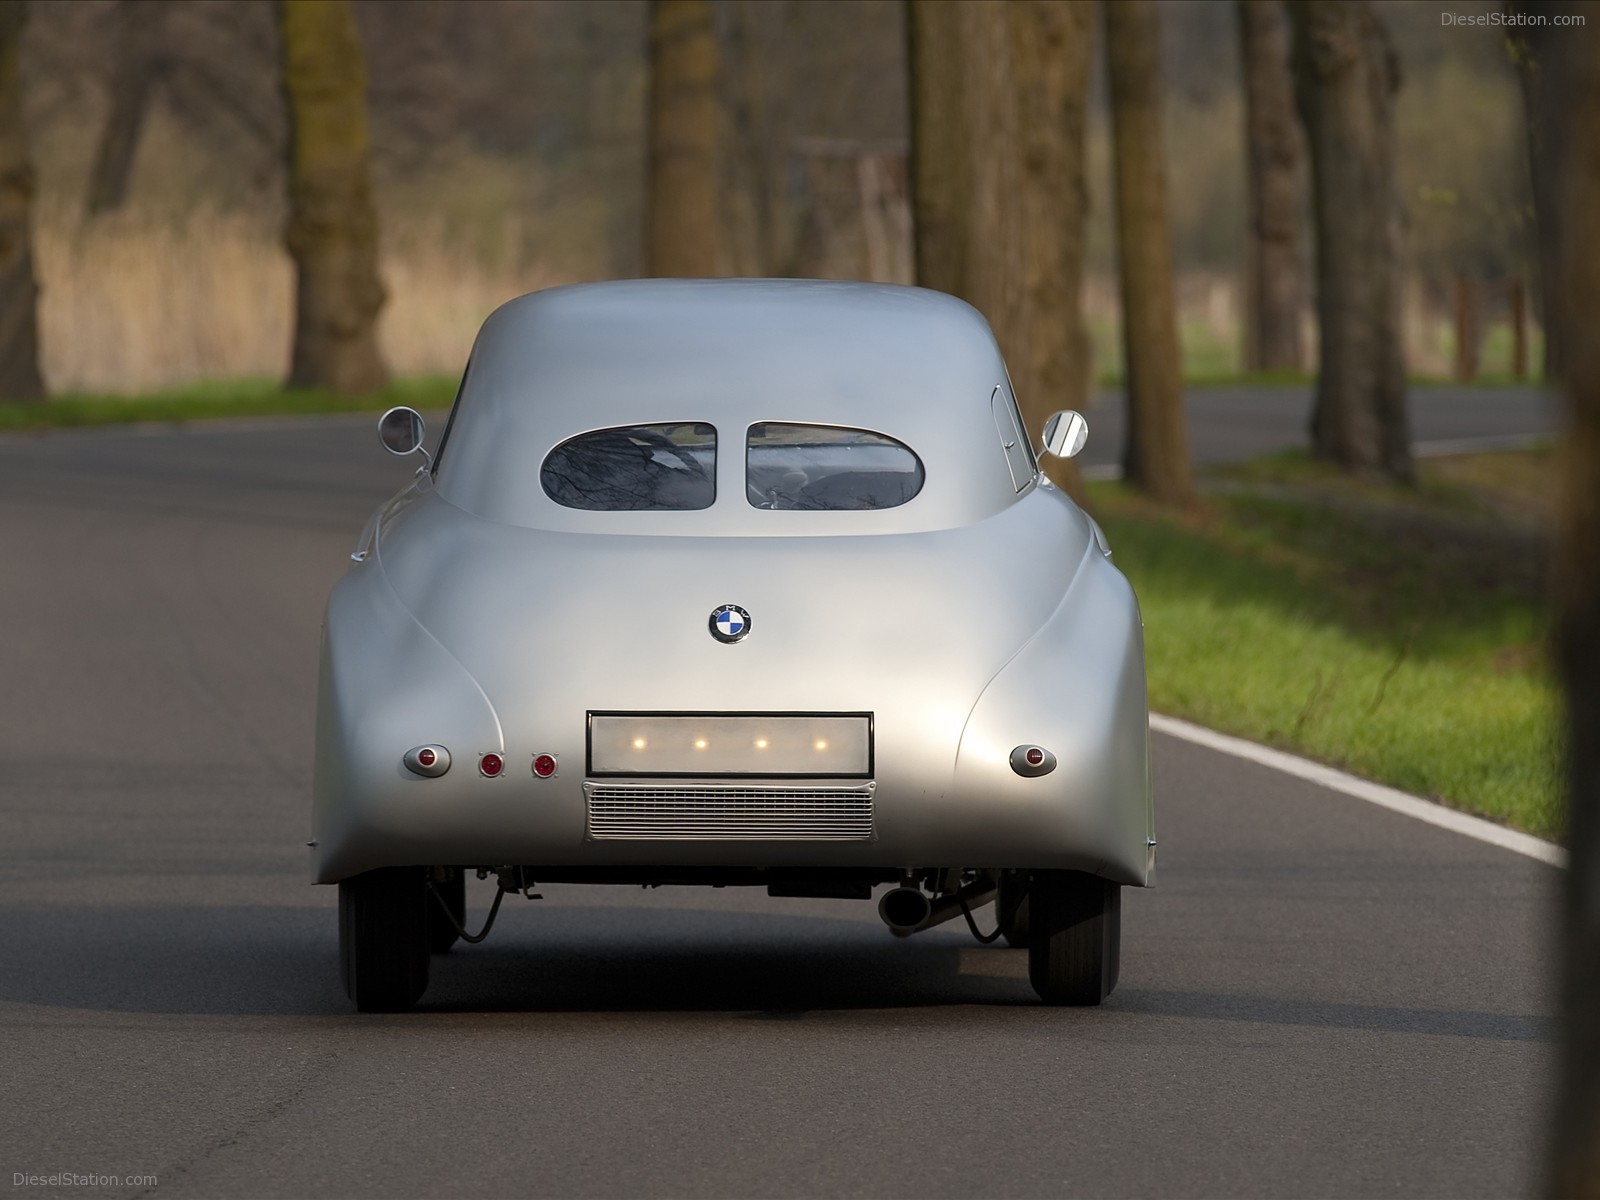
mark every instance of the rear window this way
{"type": "Point", "coordinates": [827, 467]}
{"type": "Point", "coordinates": [635, 468]}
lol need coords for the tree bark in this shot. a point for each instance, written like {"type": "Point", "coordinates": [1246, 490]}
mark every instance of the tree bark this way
{"type": "Point", "coordinates": [332, 232]}
{"type": "Point", "coordinates": [684, 217]}
{"type": "Point", "coordinates": [1346, 76]}
{"type": "Point", "coordinates": [1468, 328]}
{"type": "Point", "coordinates": [1275, 270]}
{"type": "Point", "coordinates": [1528, 45]}
{"type": "Point", "coordinates": [1156, 455]}
{"type": "Point", "coordinates": [1568, 116]}
{"type": "Point", "coordinates": [1517, 301]}
{"type": "Point", "coordinates": [998, 103]}
{"type": "Point", "coordinates": [20, 381]}
{"type": "Point", "coordinates": [135, 71]}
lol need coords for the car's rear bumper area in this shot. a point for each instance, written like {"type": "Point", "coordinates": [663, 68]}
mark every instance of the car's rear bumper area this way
{"type": "Point", "coordinates": [823, 824]}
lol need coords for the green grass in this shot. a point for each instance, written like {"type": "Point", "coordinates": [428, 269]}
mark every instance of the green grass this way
{"type": "Point", "coordinates": [1399, 635]}
{"type": "Point", "coordinates": [227, 398]}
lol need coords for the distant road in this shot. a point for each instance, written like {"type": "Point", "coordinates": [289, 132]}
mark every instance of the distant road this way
{"type": "Point", "coordinates": [1321, 998]}
{"type": "Point", "coordinates": [1227, 424]}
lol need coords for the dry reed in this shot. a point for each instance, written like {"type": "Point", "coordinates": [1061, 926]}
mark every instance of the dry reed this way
{"type": "Point", "coordinates": [131, 305]}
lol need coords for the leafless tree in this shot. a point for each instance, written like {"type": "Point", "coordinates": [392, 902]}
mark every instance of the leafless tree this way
{"type": "Point", "coordinates": [1529, 48]}
{"type": "Point", "coordinates": [685, 135]}
{"type": "Point", "coordinates": [1156, 454]}
{"type": "Point", "coordinates": [1346, 76]}
{"type": "Point", "coordinates": [20, 380]}
{"type": "Point", "coordinates": [998, 93]}
{"type": "Point", "coordinates": [1275, 274]}
{"type": "Point", "coordinates": [1565, 115]}
{"type": "Point", "coordinates": [332, 231]}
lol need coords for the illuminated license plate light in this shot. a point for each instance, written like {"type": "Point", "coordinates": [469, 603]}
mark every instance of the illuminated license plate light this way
{"type": "Point", "coordinates": [777, 745]}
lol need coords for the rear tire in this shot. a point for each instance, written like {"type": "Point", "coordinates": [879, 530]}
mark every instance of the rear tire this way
{"type": "Point", "coordinates": [383, 938]}
{"type": "Point", "coordinates": [441, 934]}
{"type": "Point", "coordinates": [1011, 906]}
{"type": "Point", "coordinates": [1074, 936]}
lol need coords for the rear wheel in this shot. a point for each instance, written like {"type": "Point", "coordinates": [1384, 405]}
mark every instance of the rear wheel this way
{"type": "Point", "coordinates": [1074, 936]}
{"type": "Point", "coordinates": [1011, 906]}
{"type": "Point", "coordinates": [453, 892]}
{"type": "Point", "coordinates": [383, 938]}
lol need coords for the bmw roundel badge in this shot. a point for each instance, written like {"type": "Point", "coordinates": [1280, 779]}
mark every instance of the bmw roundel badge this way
{"type": "Point", "coordinates": [729, 623]}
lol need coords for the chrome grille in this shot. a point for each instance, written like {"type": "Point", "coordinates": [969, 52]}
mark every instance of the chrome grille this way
{"type": "Point", "coordinates": [744, 813]}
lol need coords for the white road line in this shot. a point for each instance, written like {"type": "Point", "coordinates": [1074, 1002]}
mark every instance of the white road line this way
{"type": "Point", "coordinates": [1362, 789]}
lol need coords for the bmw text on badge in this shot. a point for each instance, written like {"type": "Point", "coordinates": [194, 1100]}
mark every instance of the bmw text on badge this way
{"type": "Point", "coordinates": [730, 623]}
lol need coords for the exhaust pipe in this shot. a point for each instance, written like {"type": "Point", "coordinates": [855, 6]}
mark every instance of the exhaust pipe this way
{"type": "Point", "coordinates": [904, 910]}
{"type": "Point", "coordinates": [907, 910]}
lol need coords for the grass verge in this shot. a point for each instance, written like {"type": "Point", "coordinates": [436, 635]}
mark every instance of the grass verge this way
{"type": "Point", "coordinates": [1400, 634]}
{"type": "Point", "coordinates": [229, 398]}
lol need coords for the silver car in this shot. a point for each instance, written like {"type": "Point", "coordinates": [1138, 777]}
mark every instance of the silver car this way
{"type": "Point", "coordinates": [734, 582]}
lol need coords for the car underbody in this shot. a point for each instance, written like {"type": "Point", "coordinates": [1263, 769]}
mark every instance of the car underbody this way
{"type": "Point", "coordinates": [392, 920]}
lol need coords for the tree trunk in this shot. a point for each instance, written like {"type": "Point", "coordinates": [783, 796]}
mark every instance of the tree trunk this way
{"type": "Point", "coordinates": [20, 381]}
{"type": "Point", "coordinates": [332, 232]}
{"type": "Point", "coordinates": [998, 101]}
{"type": "Point", "coordinates": [1346, 76]}
{"type": "Point", "coordinates": [1518, 303]}
{"type": "Point", "coordinates": [684, 217]}
{"type": "Point", "coordinates": [1275, 274]}
{"type": "Point", "coordinates": [1156, 456]}
{"type": "Point", "coordinates": [1528, 44]}
{"type": "Point", "coordinates": [135, 72]}
{"type": "Point", "coordinates": [1568, 117]}
{"type": "Point", "coordinates": [1467, 329]}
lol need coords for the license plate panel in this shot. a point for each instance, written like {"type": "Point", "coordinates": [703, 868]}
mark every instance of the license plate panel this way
{"type": "Point", "coordinates": [772, 745]}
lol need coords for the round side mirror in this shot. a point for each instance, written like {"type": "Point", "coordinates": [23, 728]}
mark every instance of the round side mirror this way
{"type": "Point", "coordinates": [401, 430]}
{"type": "Point", "coordinates": [1065, 433]}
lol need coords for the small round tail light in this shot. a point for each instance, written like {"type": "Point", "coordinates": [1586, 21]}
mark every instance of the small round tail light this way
{"type": "Point", "coordinates": [427, 761]}
{"type": "Point", "coordinates": [544, 765]}
{"type": "Point", "coordinates": [491, 765]}
{"type": "Point", "coordinates": [1032, 761]}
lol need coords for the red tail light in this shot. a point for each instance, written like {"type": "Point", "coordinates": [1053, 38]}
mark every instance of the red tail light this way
{"type": "Point", "coordinates": [491, 765]}
{"type": "Point", "coordinates": [544, 766]}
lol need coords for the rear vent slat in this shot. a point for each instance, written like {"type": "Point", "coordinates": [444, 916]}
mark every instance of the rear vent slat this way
{"type": "Point", "coordinates": [635, 812]}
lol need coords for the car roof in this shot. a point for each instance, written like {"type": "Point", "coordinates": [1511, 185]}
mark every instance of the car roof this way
{"type": "Point", "coordinates": [917, 365]}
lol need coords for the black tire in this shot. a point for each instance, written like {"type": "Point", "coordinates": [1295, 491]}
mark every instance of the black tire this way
{"type": "Point", "coordinates": [1075, 936]}
{"type": "Point", "coordinates": [441, 934]}
{"type": "Point", "coordinates": [1011, 907]}
{"type": "Point", "coordinates": [383, 939]}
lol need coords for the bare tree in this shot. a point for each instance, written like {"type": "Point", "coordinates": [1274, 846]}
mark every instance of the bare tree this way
{"type": "Point", "coordinates": [1346, 76]}
{"type": "Point", "coordinates": [1156, 454]}
{"type": "Point", "coordinates": [1528, 47]}
{"type": "Point", "coordinates": [685, 134]}
{"type": "Point", "coordinates": [1565, 116]}
{"type": "Point", "coordinates": [998, 95]}
{"type": "Point", "coordinates": [332, 231]}
{"type": "Point", "coordinates": [20, 380]}
{"type": "Point", "coordinates": [137, 65]}
{"type": "Point", "coordinates": [1275, 275]}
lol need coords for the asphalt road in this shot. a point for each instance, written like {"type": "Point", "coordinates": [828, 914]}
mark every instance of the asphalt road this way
{"type": "Point", "coordinates": [1321, 998]}
{"type": "Point", "coordinates": [1230, 423]}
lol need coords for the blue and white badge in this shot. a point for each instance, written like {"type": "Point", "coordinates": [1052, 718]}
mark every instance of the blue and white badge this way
{"type": "Point", "coordinates": [730, 623]}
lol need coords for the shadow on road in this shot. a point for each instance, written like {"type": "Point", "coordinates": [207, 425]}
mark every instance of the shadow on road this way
{"type": "Point", "coordinates": [283, 961]}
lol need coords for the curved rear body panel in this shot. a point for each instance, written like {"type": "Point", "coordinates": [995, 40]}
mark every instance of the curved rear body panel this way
{"type": "Point", "coordinates": [975, 618]}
